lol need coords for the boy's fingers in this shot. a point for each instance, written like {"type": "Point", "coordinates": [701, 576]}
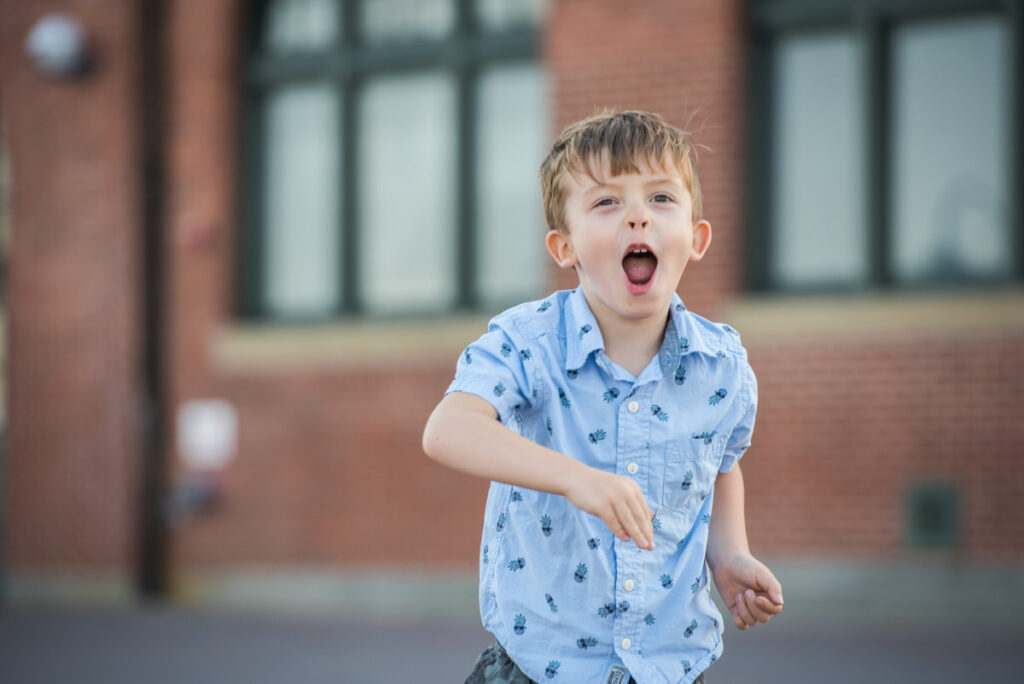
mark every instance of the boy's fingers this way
{"type": "Point", "coordinates": [755, 608]}
{"type": "Point", "coordinates": [611, 519]}
{"type": "Point", "coordinates": [743, 611]}
{"type": "Point", "coordinates": [617, 528]}
{"type": "Point", "coordinates": [737, 618]}
{"type": "Point", "coordinates": [642, 530]}
{"type": "Point", "coordinates": [768, 606]}
{"type": "Point", "coordinates": [632, 526]}
{"type": "Point", "coordinates": [640, 514]}
{"type": "Point", "coordinates": [771, 585]}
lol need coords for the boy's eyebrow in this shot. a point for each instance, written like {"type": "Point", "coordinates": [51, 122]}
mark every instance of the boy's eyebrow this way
{"type": "Point", "coordinates": [658, 180]}
{"type": "Point", "coordinates": [600, 185]}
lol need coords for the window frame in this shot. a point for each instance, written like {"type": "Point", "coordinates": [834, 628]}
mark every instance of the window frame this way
{"type": "Point", "coordinates": [873, 22]}
{"type": "Point", "coordinates": [466, 51]}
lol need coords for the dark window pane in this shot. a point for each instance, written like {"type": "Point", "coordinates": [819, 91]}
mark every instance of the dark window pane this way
{"type": "Point", "coordinates": [950, 151]}
{"type": "Point", "coordinates": [407, 250]}
{"type": "Point", "coordinates": [504, 14]}
{"type": "Point", "coordinates": [819, 235]}
{"type": "Point", "coordinates": [512, 134]}
{"type": "Point", "coordinates": [301, 25]}
{"type": "Point", "coordinates": [301, 201]}
{"type": "Point", "coordinates": [397, 20]}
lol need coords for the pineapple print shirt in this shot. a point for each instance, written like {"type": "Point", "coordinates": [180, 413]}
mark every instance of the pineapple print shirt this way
{"type": "Point", "coordinates": [562, 595]}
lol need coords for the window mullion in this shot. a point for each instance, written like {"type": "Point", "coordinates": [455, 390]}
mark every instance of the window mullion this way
{"type": "Point", "coordinates": [1016, 135]}
{"type": "Point", "coordinates": [348, 89]}
{"type": "Point", "coordinates": [350, 301]}
{"type": "Point", "coordinates": [877, 87]}
{"type": "Point", "coordinates": [465, 202]}
{"type": "Point", "coordinates": [760, 125]}
{"type": "Point", "coordinates": [252, 280]}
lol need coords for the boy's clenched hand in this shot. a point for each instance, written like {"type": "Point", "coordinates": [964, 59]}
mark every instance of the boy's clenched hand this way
{"type": "Point", "coordinates": [618, 501]}
{"type": "Point", "coordinates": [749, 589]}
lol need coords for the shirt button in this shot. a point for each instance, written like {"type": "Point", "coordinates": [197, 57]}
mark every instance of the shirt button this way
{"type": "Point", "coordinates": [626, 643]}
{"type": "Point", "coordinates": [632, 469]}
{"type": "Point", "coordinates": [633, 407]}
{"type": "Point", "coordinates": [629, 585]}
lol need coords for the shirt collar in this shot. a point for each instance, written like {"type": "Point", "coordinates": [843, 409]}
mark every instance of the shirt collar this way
{"type": "Point", "coordinates": [583, 335]}
{"type": "Point", "coordinates": [691, 336]}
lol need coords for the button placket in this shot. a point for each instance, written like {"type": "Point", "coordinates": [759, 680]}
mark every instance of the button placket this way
{"type": "Point", "coordinates": [631, 561]}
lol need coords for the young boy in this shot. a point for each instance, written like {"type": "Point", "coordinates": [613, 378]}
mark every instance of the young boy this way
{"type": "Point", "coordinates": [610, 420]}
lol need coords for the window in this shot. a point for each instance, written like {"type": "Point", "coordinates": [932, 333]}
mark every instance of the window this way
{"type": "Point", "coordinates": [819, 134]}
{"type": "Point", "coordinates": [391, 155]}
{"type": "Point", "coordinates": [949, 162]}
{"type": "Point", "coordinates": [886, 144]}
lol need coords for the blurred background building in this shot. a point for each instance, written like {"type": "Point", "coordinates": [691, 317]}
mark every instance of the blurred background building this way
{"type": "Point", "coordinates": [244, 242]}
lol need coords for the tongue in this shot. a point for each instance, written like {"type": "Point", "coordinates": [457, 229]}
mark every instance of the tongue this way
{"type": "Point", "coordinates": [639, 268]}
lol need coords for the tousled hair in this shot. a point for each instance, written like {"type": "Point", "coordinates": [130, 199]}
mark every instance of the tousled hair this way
{"type": "Point", "coordinates": [626, 139]}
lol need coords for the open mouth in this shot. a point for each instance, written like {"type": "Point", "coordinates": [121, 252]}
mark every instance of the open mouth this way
{"type": "Point", "coordinates": [639, 264]}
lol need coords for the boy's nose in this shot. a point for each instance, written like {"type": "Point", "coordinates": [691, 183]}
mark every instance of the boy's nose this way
{"type": "Point", "coordinates": [637, 215]}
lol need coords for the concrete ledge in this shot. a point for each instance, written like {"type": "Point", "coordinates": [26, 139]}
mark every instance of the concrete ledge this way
{"type": "Point", "coordinates": [933, 590]}
{"type": "Point", "coordinates": [927, 590]}
{"type": "Point", "coordinates": [68, 588]}
{"type": "Point", "coordinates": [246, 348]}
{"type": "Point", "coordinates": [901, 315]}
{"type": "Point", "coordinates": [383, 593]}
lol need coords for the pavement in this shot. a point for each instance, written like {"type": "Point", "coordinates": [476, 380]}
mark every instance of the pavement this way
{"type": "Point", "coordinates": [176, 644]}
{"type": "Point", "coordinates": [928, 619]}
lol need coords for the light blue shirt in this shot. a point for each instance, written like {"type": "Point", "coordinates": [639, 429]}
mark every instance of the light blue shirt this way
{"type": "Point", "coordinates": [565, 598]}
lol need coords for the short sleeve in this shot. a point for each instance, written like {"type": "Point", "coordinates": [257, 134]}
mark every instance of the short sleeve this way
{"type": "Point", "coordinates": [739, 439]}
{"type": "Point", "coordinates": [494, 369]}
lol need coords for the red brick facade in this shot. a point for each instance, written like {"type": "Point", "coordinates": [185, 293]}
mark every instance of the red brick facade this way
{"type": "Point", "coordinates": [74, 208]}
{"type": "Point", "coordinates": [329, 470]}
{"type": "Point", "coordinates": [845, 428]}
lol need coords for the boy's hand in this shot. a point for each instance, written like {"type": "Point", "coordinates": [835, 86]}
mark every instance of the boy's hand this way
{"type": "Point", "coordinates": [618, 501]}
{"type": "Point", "coordinates": [749, 589]}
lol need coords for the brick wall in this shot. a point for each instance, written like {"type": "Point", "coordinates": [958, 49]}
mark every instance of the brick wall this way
{"type": "Point", "coordinates": [72, 296]}
{"type": "Point", "coordinates": [846, 427]}
{"type": "Point", "coordinates": [331, 472]}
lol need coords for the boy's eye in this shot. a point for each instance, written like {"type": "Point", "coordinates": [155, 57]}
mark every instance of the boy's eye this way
{"type": "Point", "coordinates": [661, 197]}
{"type": "Point", "coordinates": [606, 202]}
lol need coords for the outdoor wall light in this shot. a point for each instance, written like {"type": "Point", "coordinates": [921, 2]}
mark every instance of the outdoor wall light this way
{"type": "Point", "coordinates": [58, 46]}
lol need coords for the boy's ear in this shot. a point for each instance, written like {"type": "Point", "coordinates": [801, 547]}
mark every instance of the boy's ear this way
{"type": "Point", "coordinates": [560, 248]}
{"type": "Point", "coordinates": [701, 240]}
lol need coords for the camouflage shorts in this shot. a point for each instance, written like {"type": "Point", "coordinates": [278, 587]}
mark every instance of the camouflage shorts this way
{"type": "Point", "coordinates": [495, 667]}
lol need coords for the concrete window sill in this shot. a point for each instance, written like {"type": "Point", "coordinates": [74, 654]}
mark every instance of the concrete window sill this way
{"type": "Point", "coordinates": [345, 344]}
{"type": "Point", "coordinates": [767, 319]}
{"type": "Point", "coordinates": [839, 318]}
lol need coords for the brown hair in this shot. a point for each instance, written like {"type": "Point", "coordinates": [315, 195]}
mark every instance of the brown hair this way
{"type": "Point", "coordinates": [627, 138]}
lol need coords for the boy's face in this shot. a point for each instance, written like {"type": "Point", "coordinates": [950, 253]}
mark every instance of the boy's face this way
{"type": "Point", "coordinates": [629, 238]}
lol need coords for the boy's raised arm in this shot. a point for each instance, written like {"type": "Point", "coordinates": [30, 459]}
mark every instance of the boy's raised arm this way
{"type": "Point", "coordinates": [463, 433]}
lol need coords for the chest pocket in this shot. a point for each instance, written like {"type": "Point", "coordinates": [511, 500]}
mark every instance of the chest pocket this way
{"type": "Point", "coordinates": [691, 466]}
